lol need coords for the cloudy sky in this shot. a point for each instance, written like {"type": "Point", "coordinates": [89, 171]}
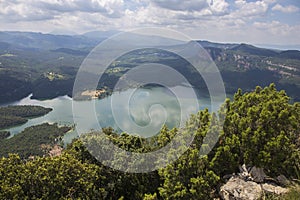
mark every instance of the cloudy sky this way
{"type": "Point", "coordinates": [250, 21]}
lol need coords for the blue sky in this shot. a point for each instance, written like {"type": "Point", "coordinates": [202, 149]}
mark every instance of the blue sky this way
{"type": "Point", "coordinates": [250, 21]}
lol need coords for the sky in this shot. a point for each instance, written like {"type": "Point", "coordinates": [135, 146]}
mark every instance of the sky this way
{"type": "Point", "coordinates": [250, 21]}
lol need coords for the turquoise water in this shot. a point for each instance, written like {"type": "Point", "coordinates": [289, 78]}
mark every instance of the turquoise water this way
{"type": "Point", "coordinates": [143, 110]}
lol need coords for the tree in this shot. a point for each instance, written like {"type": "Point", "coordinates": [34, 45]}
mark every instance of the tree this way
{"type": "Point", "coordinates": [262, 129]}
{"type": "Point", "coordinates": [50, 178]}
{"type": "Point", "coordinates": [190, 177]}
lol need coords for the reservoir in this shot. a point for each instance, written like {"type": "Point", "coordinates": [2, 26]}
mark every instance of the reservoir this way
{"type": "Point", "coordinates": [141, 111]}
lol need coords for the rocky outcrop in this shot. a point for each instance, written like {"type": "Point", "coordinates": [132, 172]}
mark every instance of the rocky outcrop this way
{"type": "Point", "coordinates": [283, 181]}
{"type": "Point", "coordinates": [250, 184]}
{"type": "Point", "coordinates": [237, 188]}
{"type": "Point", "coordinates": [271, 188]}
{"type": "Point", "coordinates": [258, 175]}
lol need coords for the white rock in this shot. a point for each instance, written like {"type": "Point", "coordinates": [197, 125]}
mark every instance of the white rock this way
{"type": "Point", "coordinates": [269, 188]}
{"type": "Point", "coordinates": [237, 188]}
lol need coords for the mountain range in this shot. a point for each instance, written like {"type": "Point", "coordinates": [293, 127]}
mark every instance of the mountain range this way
{"type": "Point", "coordinates": [46, 64]}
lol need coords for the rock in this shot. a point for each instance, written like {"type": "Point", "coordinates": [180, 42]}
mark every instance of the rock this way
{"type": "Point", "coordinates": [258, 175]}
{"type": "Point", "coordinates": [251, 183]}
{"type": "Point", "coordinates": [269, 188]}
{"type": "Point", "coordinates": [238, 189]}
{"type": "Point", "coordinates": [228, 176]}
{"type": "Point", "coordinates": [296, 181]}
{"type": "Point", "coordinates": [271, 180]}
{"type": "Point", "coordinates": [282, 180]}
{"type": "Point", "coordinates": [244, 174]}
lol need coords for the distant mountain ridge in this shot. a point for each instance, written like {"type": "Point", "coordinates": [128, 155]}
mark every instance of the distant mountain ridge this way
{"type": "Point", "coordinates": [43, 41]}
{"type": "Point", "coordinates": [206, 44]}
{"type": "Point", "coordinates": [246, 48]}
{"type": "Point", "coordinates": [27, 58]}
{"type": "Point", "coordinates": [253, 50]}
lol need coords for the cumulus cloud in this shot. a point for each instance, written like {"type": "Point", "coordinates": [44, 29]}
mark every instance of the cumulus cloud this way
{"type": "Point", "coordinates": [179, 5]}
{"type": "Point", "coordinates": [250, 9]}
{"type": "Point", "coordinates": [274, 30]}
{"type": "Point", "coordinates": [13, 11]}
{"type": "Point", "coordinates": [243, 12]}
{"type": "Point", "coordinates": [273, 27]}
{"type": "Point", "coordinates": [219, 6]}
{"type": "Point", "coordinates": [32, 10]}
{"type": "Point", "coordinates": [223, 19]}
{"type": "Point", "coordinates": [110, 8]}
{"type": "Point", "coordinates": [202, 7]}
{"type": "Point", "coordinates": [285, 9]}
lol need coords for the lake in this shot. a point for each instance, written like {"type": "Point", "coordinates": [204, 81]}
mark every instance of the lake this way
{"type": "Point", "coordinates": [142, 110]}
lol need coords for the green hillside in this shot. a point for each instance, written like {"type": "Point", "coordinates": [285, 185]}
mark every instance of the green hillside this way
{"type": "Point", "coordinates": [17, 115]}
{"type": "Point", "coordinates": [24, 65]}
{"type": "Point", "coordinates": [260, 128]}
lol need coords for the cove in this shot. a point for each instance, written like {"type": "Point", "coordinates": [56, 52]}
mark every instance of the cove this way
{"type": "Point", "coordinates": [143, 106]}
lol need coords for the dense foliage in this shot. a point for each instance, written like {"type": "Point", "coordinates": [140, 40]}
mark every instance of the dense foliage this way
{"type": "Point", "coordinates": [260, 128]}
{"type": "Point", "coordinates": [4, 134]}
{"type": "Point", "coordinates": [24, 111]}
{"type": "Point", "coordinates": [16, 115]}
{"type": "Point", "coordinates": [30, 141]}
{"type": "Point", "coordinates": [9, 121]}
{"type": "Point", "coordinates": [50, 178]}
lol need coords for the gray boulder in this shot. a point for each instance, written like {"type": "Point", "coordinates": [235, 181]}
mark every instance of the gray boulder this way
{"type": "Point", "coordinates": [282, 180]}
{"type": "Point", "coordinates": [239, 189]}
{"type": "Point", "coordinates": [258, 175]}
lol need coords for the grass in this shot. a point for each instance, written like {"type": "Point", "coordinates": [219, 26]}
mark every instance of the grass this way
{"type": "Point", "coordinates": [293, 194]}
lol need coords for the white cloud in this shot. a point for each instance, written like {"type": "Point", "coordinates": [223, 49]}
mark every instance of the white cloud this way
{"type": "Point", "coordinates": [251, 9]}
{"type": "Point", "coordinates": [32, 10]}
{"type": "Point", "coordinates": [219, 6]}
{"type": "Point", "coordinates": [274, 27]}
{"type": "Point", "coordinates": [219, 20]}
{"type": "Point", "coordinates": [193, 7]}
{"type": "Point", "coordinates": [180, 5]}
{"type": "Point", "coordinates": [285, 9]}
{"type": "Point", "coordinates": [240, 2]}
{"type": "Point", "coordinates": [15, 11]}
{"type": "Point", "coordinates": [273, 30]}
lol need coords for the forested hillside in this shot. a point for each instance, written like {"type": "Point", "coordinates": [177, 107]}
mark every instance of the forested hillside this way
{"type": "Point", "coordinates": [17, 115]}
{"type": "Point", "coordinates": [33, 141]}
{"type": "Point", "coordinates": [44, 65]}
{"type": "Point", "coordinates": [261, 128]}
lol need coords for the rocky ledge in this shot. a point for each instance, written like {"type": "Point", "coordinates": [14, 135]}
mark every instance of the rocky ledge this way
{"type": "Point", "coordinates": [251, 184]}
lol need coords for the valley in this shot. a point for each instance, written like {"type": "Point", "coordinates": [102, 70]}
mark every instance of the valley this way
{"type": "Point", "coordinates": [53, 141]}
{"type": "Point", "coordinates": [40, 64]}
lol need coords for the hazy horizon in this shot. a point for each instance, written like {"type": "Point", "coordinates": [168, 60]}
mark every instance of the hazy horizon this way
{"type": "Point", "coordinates": [271, 22]}
{"type": "Point", "coordinates": [109, 33]}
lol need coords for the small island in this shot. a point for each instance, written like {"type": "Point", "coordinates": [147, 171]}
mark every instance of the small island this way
{"type": "Point", "coordinates": [94, 94]}
{"type": "Point", "coordinates": [17, 115]}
